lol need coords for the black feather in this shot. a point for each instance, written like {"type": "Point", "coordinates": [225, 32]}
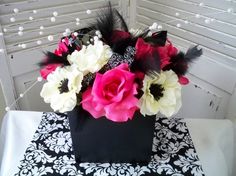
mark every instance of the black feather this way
{"type": "Point", "coordinates": [148, 64]}
{"type": "Point", "coordinates": [192, 53]}
{"type": "Point", "coordinates": [52, 58]}
{"type": "Point", "coordinates": [105, 23]}
{"type": "Point", "coordinates": [123, 26]}
{"type": "Point", "coordinates": [180, 62]}
{"type": "Point", "coordinates": [157, 38]}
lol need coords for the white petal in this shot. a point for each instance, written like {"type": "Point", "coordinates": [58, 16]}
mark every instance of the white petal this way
{"type": "Point", "coordinates": [48, 91]}
{"type": "Point", "coordinates": [64, 102]}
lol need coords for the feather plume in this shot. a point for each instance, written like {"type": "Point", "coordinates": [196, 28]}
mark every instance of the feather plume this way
{"type": "Point", "coordinates": [105, 23]}
{"type": "Point", "coordinates": [180, 63]}
{"type": "Point", "coordinates": [148, 64]}
{"type": "Point", "coordinates": [192, 53]}
{"type": "Point", "coordinates": [123, 24]}
{"type": "Point", "coordinates": [157, 38]}
{"type": "Point", "coordinates": [52, 58]}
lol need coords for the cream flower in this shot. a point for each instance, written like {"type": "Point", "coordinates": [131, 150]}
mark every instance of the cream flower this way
{"type": "Point", "coordinates": [91, 58]}
{"type": "Point", "coordinates": [61, 89]}
{"type": "Point", "coordinates": [162, 93]}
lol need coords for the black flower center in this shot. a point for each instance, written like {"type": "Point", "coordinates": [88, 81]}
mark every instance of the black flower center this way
{"type": "Point", "coordinates": [157, 91]}
{"type": "Point", "coordinates": [63, 87]}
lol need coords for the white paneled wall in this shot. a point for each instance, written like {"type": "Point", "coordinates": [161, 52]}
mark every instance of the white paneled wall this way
{"type": "Point", "coordinates": [22, 62]}
{"type": "Point", "coordinates": [67, 11]}
{"type": "Point", "coordinates": [218, 37]}
{"type": "Point", "coordinates": [213, 76]}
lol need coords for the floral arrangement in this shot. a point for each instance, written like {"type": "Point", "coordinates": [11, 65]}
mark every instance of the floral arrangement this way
{"type": "Point", "coordinates": [113, 72]}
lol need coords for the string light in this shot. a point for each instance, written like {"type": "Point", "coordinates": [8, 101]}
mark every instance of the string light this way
{"type": "Point", "coordinates": [68, 30]}
{"type": "Point", "coordinates": [201, 4]}
{"type": "Point", "coordinates": [39, 42]}
{"type": "Point", "coordinates": [53, 19]}
{"type": "Point", "coordinates": [55, 14]}
{"type": "Point", "coordinates": [16, 10]}
{"type": "Point", "coordinates": [7, 108]}
{"type": "Point", "coordinates": [1, 50]}
{"type": "Point", "coordinates": [21, 28]}
{"type": "Point", "coordinates": [23, 45]}
{"type": "Point", "coordinates": [197, 15]}
{"type": "Point", "coordinates": [207, 21]}
{"type": "Point", "coordinates": [20, 33]}
{"type": "Point", "coordinates": [230, 10]}
{"type": "Point", "coordinates": [186, 21]}
{"type": "Point", "coordinates": [50, 38]}
{"type": "Point", "coordinates": [39, 79]}
{"type": "Point", "coordinates": [31, 18]}
{"type": "Point", "coordinates": [88, 12]}
{"type": "Point", "coordinates": [12, 19]}
{"type": "Point", "coordinates": [178, 25]}
{"type": "Point", "coordinates": [1, 34]}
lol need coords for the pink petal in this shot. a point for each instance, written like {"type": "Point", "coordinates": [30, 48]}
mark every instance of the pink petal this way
{"type": "Point", "coordinates": [89, 105]}
{"type": "Point", "coordinates": [183, 80]}
{"type": "Point", "coordinates": [48, 69]}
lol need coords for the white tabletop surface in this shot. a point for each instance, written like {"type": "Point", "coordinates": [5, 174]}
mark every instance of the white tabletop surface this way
{"type": "Point", "coordinates": [213, 139]}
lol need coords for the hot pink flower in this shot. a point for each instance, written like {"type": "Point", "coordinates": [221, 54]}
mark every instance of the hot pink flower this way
{"type": "Point", "coordinates": [62, 47]}
{"type": "Point", "coordinates": [112, 95]}
{"type": "Point", "coordinates": [144, 49]}
{"type": "Point", "coordinates": [48, 69]}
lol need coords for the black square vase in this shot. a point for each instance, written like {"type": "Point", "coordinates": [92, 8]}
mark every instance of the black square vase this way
{"type": "Point", "coordinates": [101, 140]}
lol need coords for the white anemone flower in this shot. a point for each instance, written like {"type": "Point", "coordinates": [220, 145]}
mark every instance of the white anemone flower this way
{"type": "Point", "coordinates": [91, 58]}
{"type": "Point", "coordinates": [61, 89]}
{"type": "Point", "coordinates": [162, 93]}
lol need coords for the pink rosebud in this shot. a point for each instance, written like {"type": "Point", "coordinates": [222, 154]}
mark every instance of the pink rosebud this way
{"type": "Point", "coordinates": [112, 95]}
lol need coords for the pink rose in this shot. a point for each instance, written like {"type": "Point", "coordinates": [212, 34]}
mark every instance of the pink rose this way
{"type": "Point", "coordinates": [112, 95]}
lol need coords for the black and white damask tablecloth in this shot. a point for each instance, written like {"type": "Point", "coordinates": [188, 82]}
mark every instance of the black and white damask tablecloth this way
{"type": "Point", "coordinates": [51, 152]}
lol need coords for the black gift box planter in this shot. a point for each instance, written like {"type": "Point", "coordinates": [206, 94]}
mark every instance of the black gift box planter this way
{"type": "Point", "coordinates": [101, 140]}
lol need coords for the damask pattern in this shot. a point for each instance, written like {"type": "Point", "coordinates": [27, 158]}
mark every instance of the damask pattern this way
{"type": "Point", "coordinates": [51, 152]}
